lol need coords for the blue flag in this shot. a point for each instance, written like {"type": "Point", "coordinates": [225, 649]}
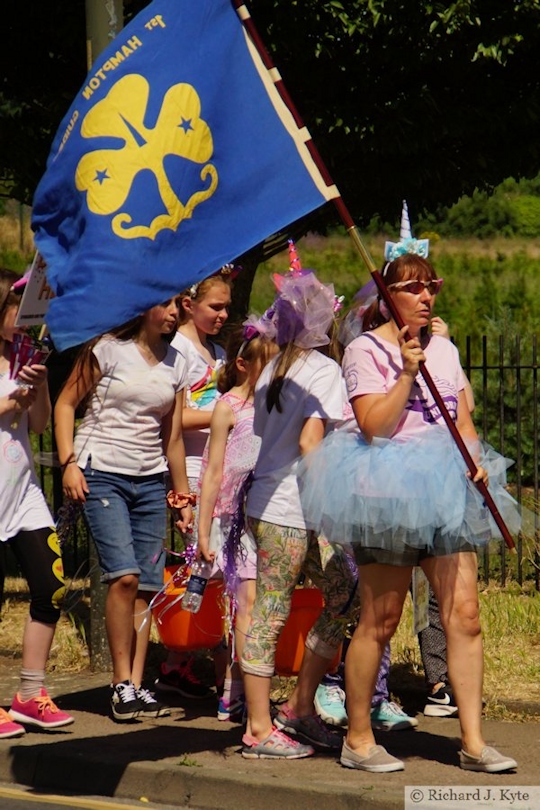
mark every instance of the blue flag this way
{"type": "Point", "coordinates": [176, 156]}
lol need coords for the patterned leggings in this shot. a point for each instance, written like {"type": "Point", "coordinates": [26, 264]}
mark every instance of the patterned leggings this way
{"type": "Point", "coordinates": [39, 556]}
{"type": "Point", "coordinates": [282, 555]}
{"type": "Point", "coordinates": [432, 643]}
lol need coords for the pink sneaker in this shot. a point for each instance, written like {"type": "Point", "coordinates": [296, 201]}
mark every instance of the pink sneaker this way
{"type": "Point", "coordinates": [39, 711]}
{"type": "Point", "coordinates": [8, 728]}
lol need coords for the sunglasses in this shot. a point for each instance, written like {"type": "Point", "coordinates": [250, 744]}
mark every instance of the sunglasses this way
{"type": "Point", "coordinates": [416, 287]}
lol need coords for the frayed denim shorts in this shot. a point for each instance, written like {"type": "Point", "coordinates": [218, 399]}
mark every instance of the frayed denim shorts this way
{"type": "Point", "coordinates": [127, 518]}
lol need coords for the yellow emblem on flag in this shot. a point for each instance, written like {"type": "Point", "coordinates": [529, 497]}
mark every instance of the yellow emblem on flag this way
{"type": "Point", "coordinates": [107, 175]}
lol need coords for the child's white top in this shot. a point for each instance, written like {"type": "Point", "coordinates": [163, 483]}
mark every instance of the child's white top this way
{"type": "Point", "coordinates": [22, 505]}
{"type": "Point", "coordinates": [121, 428]}
{"type": "Point", "coordinates": [202, 394]}
{"type": "Point", "coordinates": [371, 365]}
{"type": "Point", "coordinates": [312, 389]}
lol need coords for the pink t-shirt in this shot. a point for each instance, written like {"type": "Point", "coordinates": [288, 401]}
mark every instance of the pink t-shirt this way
{"type": "Point", "coordinates": [371, 365]}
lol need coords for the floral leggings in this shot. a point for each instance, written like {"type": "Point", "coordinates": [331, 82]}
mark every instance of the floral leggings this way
{"type": "Point", "coordinates": [284, 553]}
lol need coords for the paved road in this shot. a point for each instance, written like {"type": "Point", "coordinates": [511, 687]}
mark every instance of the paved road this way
{"type": "Point", "coordinates": [19, 797]}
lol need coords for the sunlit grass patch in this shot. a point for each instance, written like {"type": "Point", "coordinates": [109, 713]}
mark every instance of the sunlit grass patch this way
{"type": "Point", "coordinates": [511, 631]}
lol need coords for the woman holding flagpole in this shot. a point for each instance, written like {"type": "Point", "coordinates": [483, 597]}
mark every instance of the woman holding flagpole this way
{"type": "Point", "coordinates": [400, 494]}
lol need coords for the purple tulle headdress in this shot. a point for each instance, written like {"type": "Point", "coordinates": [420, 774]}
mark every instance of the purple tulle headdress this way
{"type": "Point", "coordinates": [258, 326]}
{"type": "Point", "coordinates": [304, 307]}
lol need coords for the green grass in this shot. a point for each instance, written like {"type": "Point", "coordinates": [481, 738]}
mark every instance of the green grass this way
{"type": "Point", "coordinates": [511, 630]}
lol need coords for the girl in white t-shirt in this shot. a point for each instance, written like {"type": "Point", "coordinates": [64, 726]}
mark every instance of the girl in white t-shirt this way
{"type": "Point", "coordinates": [204, 309]}
{"type": "Point", "coordinates": [399, 493]}
{"type": "Point", "coordinates": [132, 383]}
{"type": "Point", "coordinates": [297, 393]}
{"type": "Point", "coordinates": [26, 522]}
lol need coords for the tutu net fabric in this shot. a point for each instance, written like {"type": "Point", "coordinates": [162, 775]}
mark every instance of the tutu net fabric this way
{"type": "Point", "coordinates": [408, 491]}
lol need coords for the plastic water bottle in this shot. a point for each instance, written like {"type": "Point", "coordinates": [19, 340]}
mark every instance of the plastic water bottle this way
{"type": "Point", "coordinates": [196, 585]}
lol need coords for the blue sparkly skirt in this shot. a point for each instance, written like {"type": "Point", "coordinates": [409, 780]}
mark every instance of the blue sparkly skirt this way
{"type": "Point", "coordinates": [408, 491]}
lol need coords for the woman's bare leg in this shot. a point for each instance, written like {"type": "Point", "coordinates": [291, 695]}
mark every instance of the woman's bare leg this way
{"type": "Point", "coordinates": [454, 579]}
{"type": "Point", "coordinates": [382, 592]}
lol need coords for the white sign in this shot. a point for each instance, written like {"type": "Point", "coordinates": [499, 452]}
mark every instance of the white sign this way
{"type": "Point", "coordinates": [36, 296]}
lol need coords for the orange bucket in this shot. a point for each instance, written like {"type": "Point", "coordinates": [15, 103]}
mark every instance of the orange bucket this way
{"type": "Point", "coordinates": [306, 607]}
{"type": "Point", "coordinates": [181, 630]}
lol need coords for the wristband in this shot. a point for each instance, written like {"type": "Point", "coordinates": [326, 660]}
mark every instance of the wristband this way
{"type": "Point", "coordinates": [178, 500]}
{"type": "Point", "coordinates": [71, 461]}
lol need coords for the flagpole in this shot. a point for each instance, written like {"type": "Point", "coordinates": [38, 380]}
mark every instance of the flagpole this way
{"type": "Point", "coordinates": [352, 230]}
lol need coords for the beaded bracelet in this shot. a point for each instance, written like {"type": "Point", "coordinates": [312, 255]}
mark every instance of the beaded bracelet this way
{"type": "Point", "coordinates": [179, 500]}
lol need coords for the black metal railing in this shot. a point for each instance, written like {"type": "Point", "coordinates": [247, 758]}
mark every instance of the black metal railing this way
{"type": "Point", "coordinates": [504, 377]}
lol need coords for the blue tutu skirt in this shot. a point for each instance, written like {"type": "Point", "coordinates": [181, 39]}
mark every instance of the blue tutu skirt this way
{"type": "Point", "coordinates": [414, 491]}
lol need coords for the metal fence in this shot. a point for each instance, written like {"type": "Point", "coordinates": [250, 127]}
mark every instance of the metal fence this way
{"type": "Point", "coordinates": [504, 377]}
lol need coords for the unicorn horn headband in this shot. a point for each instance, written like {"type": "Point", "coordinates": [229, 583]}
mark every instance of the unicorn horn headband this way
{"type": "Point", "coordinates": [295, 268]}
{"type": "Point", "coordinates": [353, 324]}
{"type": "Point", "coordinates": [407, 243]}
{"type": "Point", "coordinates": [295, 265]}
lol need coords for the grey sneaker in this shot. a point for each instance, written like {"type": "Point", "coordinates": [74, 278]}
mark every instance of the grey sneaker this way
{"type": "Point", "coordinates": [150, 706]}
{"type": "Point", "coordinates": [310, 728]}
{"type": "Point", "coordinates": [489, 761]}
{"type": "Point", "coordinates": [377, 761]}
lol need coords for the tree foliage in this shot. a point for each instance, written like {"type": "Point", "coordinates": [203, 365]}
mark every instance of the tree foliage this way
{"type": "Point", "coordinates": [43, 47]}
{"type": "Point", "coordinates": [421, 100]}
{"type": "Point", "coordinates": [511, 210]}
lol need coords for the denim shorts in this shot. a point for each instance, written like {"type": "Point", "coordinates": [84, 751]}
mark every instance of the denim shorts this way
{"type": "Point", "coordinates": [127, 518]}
